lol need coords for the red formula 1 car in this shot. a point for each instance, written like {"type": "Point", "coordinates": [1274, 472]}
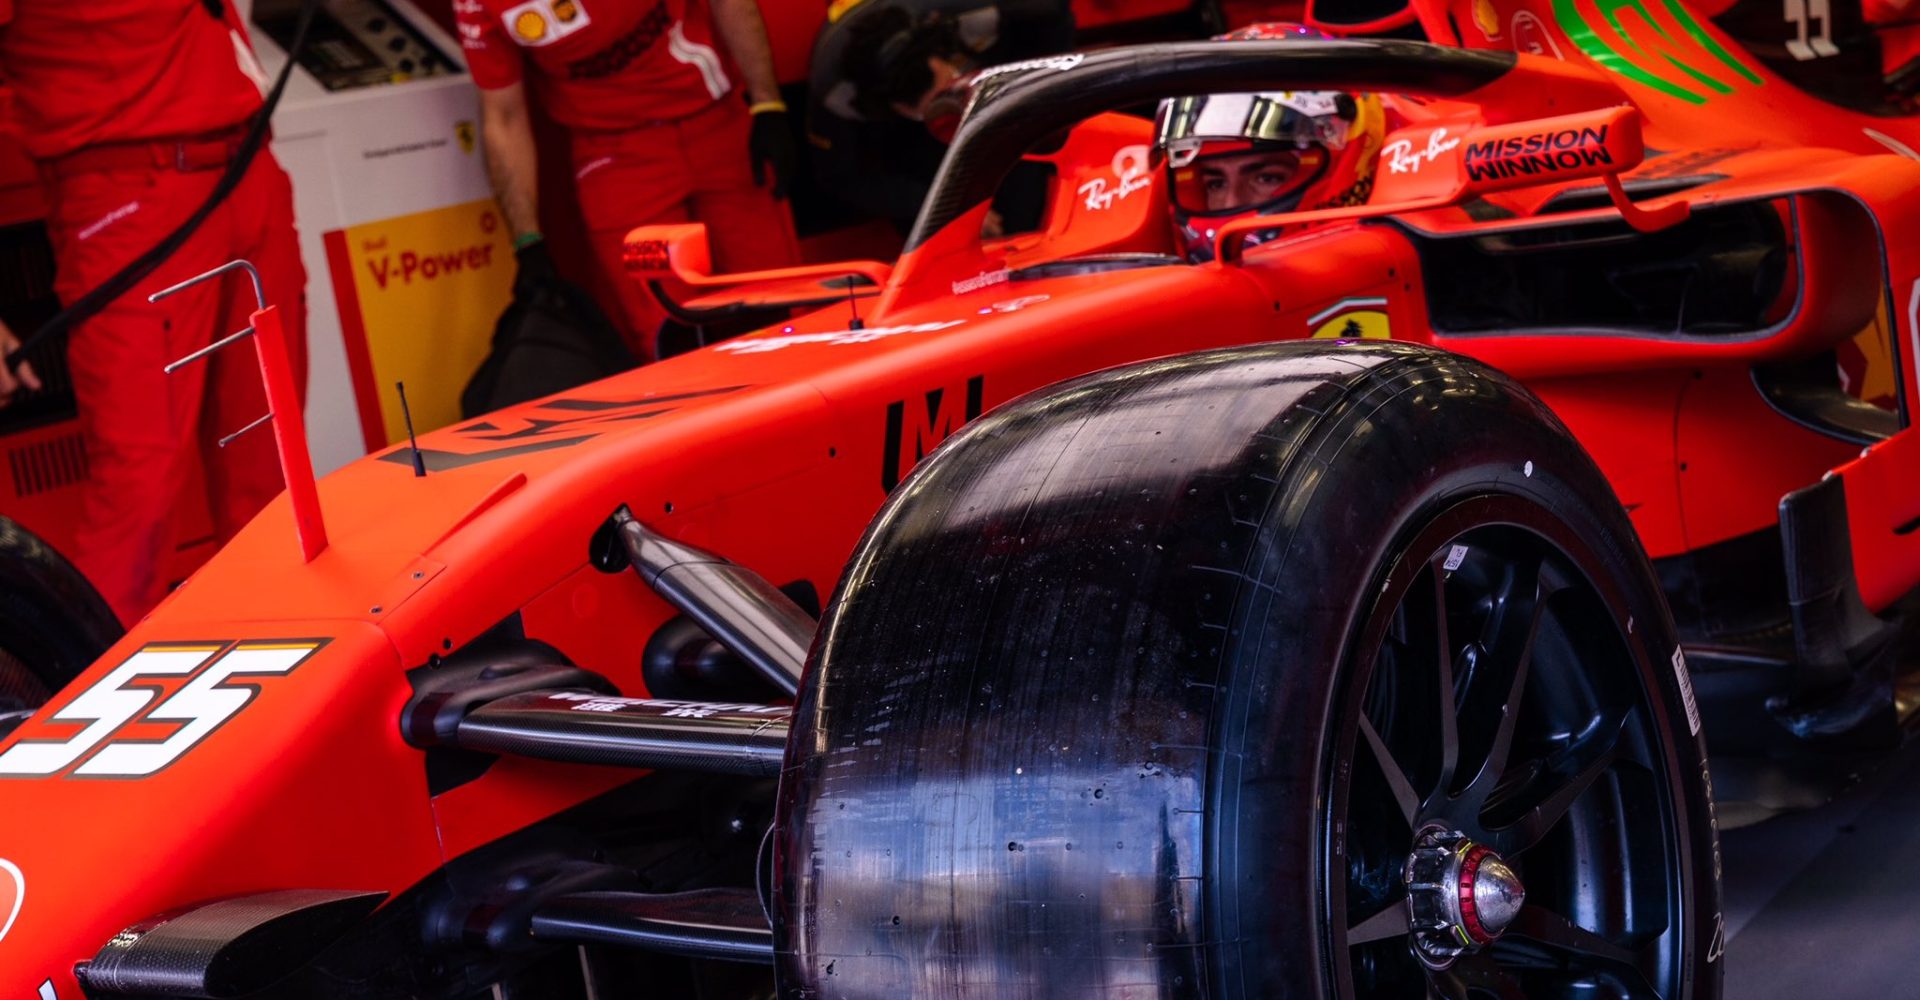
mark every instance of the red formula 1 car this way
{"type": "Point", "coordinates": [1315, 651]}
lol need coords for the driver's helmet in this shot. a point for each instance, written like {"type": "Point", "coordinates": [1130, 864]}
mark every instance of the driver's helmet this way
{"type": "Point", "coordinates": [1230, 156]}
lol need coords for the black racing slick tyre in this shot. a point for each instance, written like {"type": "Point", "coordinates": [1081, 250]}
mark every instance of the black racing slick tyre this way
{"type": "Point", "coordinates": [1291, 671]}
{"type": "Point", "coordinates": [53, 624]}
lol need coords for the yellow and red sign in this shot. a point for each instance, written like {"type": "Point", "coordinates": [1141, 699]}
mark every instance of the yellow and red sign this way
{"type": "Point", "coordinates": [418, 298]}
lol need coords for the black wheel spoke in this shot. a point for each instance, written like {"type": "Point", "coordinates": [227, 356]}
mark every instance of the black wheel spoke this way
{"type": "Point", "coordinates": [1597, 753]}
{"type": "Point", "coordinates": [1390, 922]}
{"type": "Point", "coordinates": [1543, 926]}
{"type": "Point", "coordinates": [1579, 951]}
{"type": "Point", "coordinates": [1479, 974]}
{"type": "Point", "coordinates": [1403, 794]}
{"type": "Point", "coordinates": [1521, 608]}
{"type": "Point", "coordinates": [1517, 741]}
{"type": "Point", "coordinates": [1448, 712]}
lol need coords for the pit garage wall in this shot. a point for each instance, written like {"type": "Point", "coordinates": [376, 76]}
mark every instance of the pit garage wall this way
{"type": "Point", "coordinates": [408, 263]}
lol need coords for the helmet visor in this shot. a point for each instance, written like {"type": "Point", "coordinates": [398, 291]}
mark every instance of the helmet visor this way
{"type": "Point", "coordinates": [1301, 117]}
{"type": "Point", "coordinates": [1226, 177]}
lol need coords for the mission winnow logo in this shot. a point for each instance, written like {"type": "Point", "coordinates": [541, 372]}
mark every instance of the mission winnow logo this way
{"type": "Point", "coordinates": [1542, 152]}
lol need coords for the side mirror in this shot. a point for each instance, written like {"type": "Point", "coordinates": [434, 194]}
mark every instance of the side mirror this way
{"type": "Point", "coordinates": [676, 250]}
{"type": "Point", "coordinates": [1434, 165]}
{"type": "Point", "coordinates": [675, 265]}
{"type": "Point", "coordinates": [1448, 164]}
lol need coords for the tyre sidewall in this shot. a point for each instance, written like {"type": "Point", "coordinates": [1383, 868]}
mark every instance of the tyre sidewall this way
{"type": "Point", "coordinates": [51, 618]}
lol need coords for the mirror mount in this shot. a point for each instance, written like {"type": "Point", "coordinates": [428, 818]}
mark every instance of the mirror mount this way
{"type": "Point", "coordinates": [679, 252]}
{"type": "Point", "coordinates": [1646, 220]}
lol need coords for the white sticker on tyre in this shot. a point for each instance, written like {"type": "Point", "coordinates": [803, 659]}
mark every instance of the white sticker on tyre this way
{"type": "Point", "coordinates": [1686, 691]}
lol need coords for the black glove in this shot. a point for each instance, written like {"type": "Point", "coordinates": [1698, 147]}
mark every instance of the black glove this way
{"type": "Point", "coordinates": [536, 272]}
{"type": "Point", "coordinates": [772, 149]}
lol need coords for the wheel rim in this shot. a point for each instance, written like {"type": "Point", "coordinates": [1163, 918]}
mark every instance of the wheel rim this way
{"type": "Point", "coordinates": [1498, 731]}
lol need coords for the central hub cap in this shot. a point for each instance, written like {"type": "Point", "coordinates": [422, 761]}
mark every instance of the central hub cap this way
{"type": "Point", "coordinates": [1460, 896]}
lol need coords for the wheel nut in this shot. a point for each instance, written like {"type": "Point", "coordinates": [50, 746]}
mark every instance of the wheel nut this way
{"type": "Point", "coordinates": [1490, 895]}
{"type": "Point", "coordinates": [1460, 896]}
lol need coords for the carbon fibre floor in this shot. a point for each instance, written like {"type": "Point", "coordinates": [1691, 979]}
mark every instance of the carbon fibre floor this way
{"type": "Point", "coordinates": [1825, 904]}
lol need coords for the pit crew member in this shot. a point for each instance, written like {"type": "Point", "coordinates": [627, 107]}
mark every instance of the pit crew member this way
{"type": "Point", "coordinates": [660, 132]}
{"type": "Point", "coordinates": [133, 109]}
{"type": "Point", "coordinates": [877, 65]}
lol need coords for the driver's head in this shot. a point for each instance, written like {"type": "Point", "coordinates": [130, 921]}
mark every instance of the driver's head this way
{"type": "Point", "coordinates": [1235, 155]}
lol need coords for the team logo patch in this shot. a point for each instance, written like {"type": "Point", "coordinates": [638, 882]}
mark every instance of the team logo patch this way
{"type": "Point", "coordinates": [1130, 174]}
{"type": "Point", "coordinates": [543, 22]}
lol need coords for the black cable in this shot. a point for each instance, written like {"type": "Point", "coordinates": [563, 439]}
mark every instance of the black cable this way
{"type": "Point", "coordinates": [137, 270]}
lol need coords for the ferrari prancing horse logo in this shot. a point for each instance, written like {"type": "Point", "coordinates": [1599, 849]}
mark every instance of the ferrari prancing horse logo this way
{"type": "Point", "coordinates": [1352, 319]}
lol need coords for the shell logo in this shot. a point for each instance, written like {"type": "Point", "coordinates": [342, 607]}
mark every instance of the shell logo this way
{"type": "Point", "coordinates": [1486, 18]}
{"type": "Point", "coordinates": [530, 26]}
{"type": "Point", "coordinates": [534, 23]}
{"type": "Point", "coordinates": [13, 891]}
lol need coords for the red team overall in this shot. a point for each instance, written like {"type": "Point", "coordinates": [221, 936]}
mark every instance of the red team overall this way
{"type": "Point", "coordinates": [133, 108]}
{"type": "Point", "coordinates": [659, 132]}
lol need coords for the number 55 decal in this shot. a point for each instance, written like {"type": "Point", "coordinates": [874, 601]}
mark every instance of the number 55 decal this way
{"type": "Point", "coordinates": [213, 694]}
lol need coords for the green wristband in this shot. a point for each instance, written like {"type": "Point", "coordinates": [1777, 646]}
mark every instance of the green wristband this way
{"type": "Point", "coordinates": [525, 240]}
